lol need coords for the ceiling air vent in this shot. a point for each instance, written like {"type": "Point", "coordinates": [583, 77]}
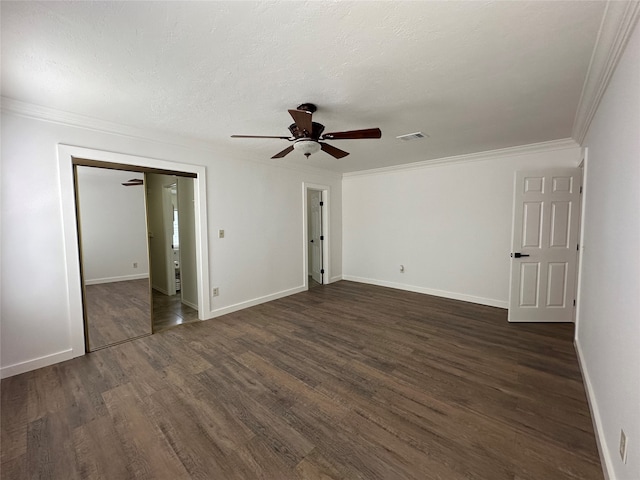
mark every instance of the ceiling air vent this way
{"type": "Point", "coordinates": [412, 136]}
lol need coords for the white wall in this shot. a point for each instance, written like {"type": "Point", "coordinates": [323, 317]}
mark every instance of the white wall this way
{"type": "Point", "coordinates": [113, 224]}
{"type": "Point", "coordinates": [259, 206]}
{"type": "Point", "coordinates": [448, 224]}
{"type": "Point", "coordinates": [608, 323]}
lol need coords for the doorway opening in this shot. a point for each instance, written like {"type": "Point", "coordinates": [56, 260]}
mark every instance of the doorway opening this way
{"type": "Point", "coordinates": [316, 223]}
{"type": "Point", "coordinates": [69, 158]}
{"type": "Point", "coordinates": [172, 247]}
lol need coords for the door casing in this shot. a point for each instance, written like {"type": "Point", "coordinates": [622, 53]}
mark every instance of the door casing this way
{"type": "Point", "coordinates": [326, 244]}
{"type": "Point", "coordinates": [67, 154]}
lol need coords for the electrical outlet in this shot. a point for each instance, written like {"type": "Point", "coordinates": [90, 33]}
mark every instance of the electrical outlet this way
{"type": "Point", "coordinates": [135, 264]}
{"type": "Point", "coordinates": [623, 446]}
{"type": "Point", "coordinates": [216, 291]}
{"type": "Point", "coordinates": [220, 233]}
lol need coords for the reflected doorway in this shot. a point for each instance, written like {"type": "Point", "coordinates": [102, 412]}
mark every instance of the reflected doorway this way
{"type": "Point", "coordinates": [172, 247]}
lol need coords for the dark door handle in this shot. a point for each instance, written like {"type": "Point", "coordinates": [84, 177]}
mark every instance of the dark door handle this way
{"type": "Point", "coordinates": [518, 255]}
{"type": "Point", "coordinates": [312, 240]}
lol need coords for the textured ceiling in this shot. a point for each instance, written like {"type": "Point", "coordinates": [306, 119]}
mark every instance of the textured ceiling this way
{"type": "Point", "coordinates": [474, 76]}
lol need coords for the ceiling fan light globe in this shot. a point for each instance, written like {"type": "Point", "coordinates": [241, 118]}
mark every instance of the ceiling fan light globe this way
{"type": "Point", "coordinates": [307, 147]}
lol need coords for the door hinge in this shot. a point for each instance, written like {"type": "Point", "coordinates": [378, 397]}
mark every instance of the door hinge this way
{"type": "Point", "coordinates": [321, 204]}
{"type": "Point", "coordinates": [574, 303]}
{"type": "Point", "coordinates": [322, 237]}
{"type": "Point", "coordinates": [580, 189]}
{"type": "Point", "coordinates": [578, 247]}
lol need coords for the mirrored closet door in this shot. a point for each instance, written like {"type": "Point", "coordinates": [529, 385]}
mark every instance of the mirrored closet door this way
{"type": "Point", "coordinates": [112, 226]}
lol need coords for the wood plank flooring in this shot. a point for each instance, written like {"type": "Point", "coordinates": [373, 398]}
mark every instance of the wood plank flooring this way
{"type": "Point", "coordinates": [169, 311]}
{"type": "Point", "coordinates": [345, 381]}
{"type": "Point", "coordinates": [117, 311]}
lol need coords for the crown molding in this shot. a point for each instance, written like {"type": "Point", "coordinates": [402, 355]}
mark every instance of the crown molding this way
{"type": "Point", "coordinates": [532, 148]}
{"type": "Point", "coordinates": [618, 22]}
{"type": "Point", "coordinates": [60, 117]}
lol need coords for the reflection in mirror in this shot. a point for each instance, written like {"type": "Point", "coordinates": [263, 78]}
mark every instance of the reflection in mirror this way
{"type": "Point", "coordinates": [114, 250]}
{"type": "Point", "coordinates": [172, 250]}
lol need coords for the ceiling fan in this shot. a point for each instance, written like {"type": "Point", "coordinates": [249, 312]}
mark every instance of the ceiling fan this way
{"type": "Point", "coordinates": [306, 134]}
{"type": "Point", "coordinates": [133, 182]}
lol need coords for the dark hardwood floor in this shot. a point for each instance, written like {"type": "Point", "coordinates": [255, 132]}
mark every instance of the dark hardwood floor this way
{"type": "Point", "coordinates": [117, 311]}
{"type": "Point", "coordinates": [347, 381]}
{"type": "Point", "coordinates": [169, 311]}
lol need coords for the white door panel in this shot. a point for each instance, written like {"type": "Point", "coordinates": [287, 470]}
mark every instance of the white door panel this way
{"type": "Point", "coordinates": [544, 245]}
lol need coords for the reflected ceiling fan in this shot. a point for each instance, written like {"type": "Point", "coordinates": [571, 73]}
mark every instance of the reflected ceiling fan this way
{"type": "Point", "coordinates": [307, 136]}
{"type": "Point", "coordinates": [133, 182]}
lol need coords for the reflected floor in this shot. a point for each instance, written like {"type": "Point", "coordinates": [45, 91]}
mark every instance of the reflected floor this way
{"type": "Point", "coordinates": [313, 283]}
{"type": "Point", "coordinates": [117, 312]}
{"type": "Point", "coordinates": [169, 311]}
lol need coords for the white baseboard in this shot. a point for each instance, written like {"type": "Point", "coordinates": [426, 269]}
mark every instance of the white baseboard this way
{"type": "Point", "coordinates": [337, 278]}
{"type": "Point", "coordinates": [429, 291]}
{"type": "Point", "coordinates": [122, 278]}
{"type": "Point", "coordinates": [22, 367]}
{"type": "Point", "coordinates": [189, 304]}
{"type": "Point", "coordinates": [161, 290]}
{"type": "Point", "coordinates": [256, 301]}
{"type": "Point", "coordinates": [64, 355]}
{"type": "Point", "coordinates": [605, 458]}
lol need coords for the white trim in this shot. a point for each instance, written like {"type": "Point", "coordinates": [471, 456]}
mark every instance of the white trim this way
{"type": "Point", "coordinates": [617, 25]}
{"type": "Point", "coordinates": [22, 367]}
{"type": "Point", "coordinates": [583, 210]}
{"type": "Point", "coordinates": [430, 291]}
{"type": "Point", "coordinates": [256, 301]}
{"type": "Point", "coordinates": [605, 459]}
{"type": "Point", "coordinates": [189, 304]}
{"type": "Point", "coordinates": [542, 147]}
{"type": "Point", "coordinates": [337, 278]}
{"type": "Point", "coordinates": [122, 278]}
{"type": "Point", "coordinates": [326, 244]}
{"type": "Point", "coordinates": [70, 229]}
{"type": "Point", "coordinates": [161, 290]}
{"type": "Point", "coordinates": [38, 112]}
{"type": "Point", "coordinates": [583, 197]}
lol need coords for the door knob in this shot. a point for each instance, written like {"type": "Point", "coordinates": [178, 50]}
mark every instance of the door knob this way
{"type": "Point", "coordinates": [312, 240]}
{"type": "Point", "coordinates": [518, 255]}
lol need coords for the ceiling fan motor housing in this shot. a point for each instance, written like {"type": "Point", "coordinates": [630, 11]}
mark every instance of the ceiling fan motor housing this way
{"type": "Point", "coordinates": [317, 129]}
{"type": "Point", "coordinates": [307, 107]}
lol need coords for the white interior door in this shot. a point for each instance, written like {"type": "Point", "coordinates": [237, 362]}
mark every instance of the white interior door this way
{"type": "Point", "coordinates": [544, 245]}
{"type": "Point", "coordinates": [315, 234]}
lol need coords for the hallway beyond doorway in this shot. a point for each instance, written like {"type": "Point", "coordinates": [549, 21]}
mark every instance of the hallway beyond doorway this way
{"type": "Point", "coordinates": [169, 311]}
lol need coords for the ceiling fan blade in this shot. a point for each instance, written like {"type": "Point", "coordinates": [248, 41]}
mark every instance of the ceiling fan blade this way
{"type": "Point", "coordinates": [333, 151]}
{"type": "Point", "coordinates": [303, 120]}
{"type": "Point", "coordinates": [353, 134]}
{"type": "Point", "coordinates": [132, 182]}
{"type": "Point", "coordinates": [284, 152]}
{"type": "Point", "coordinates": [258, 136]}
